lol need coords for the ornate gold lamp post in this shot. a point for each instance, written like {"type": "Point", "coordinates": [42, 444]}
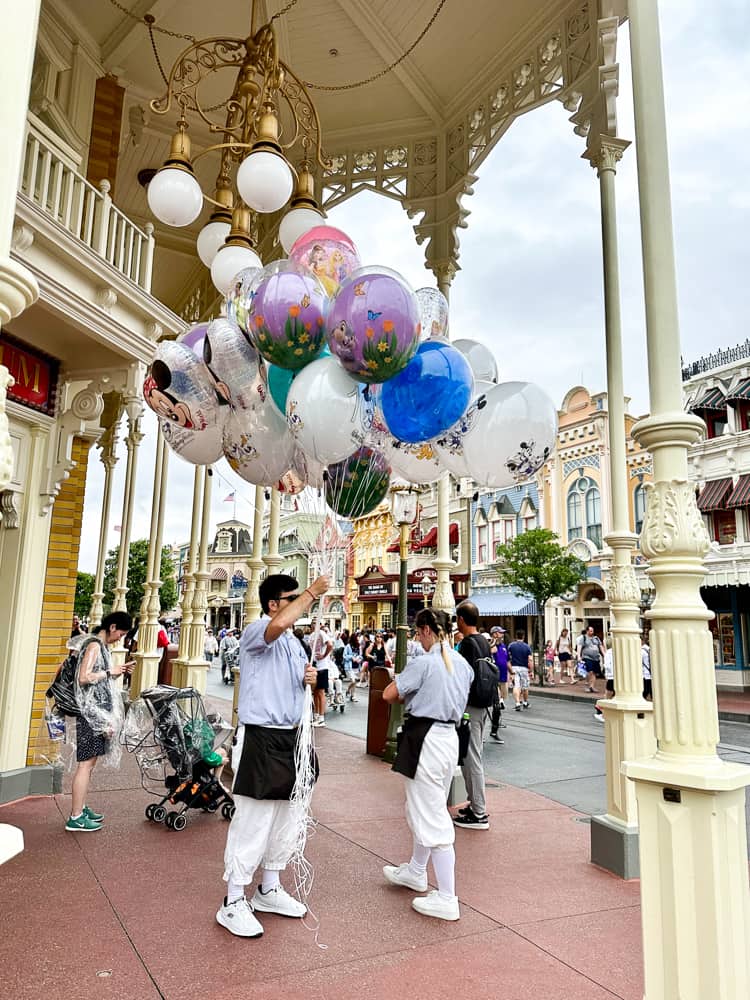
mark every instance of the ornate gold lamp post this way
{"type": "Point", "coordinates": [404, 499]}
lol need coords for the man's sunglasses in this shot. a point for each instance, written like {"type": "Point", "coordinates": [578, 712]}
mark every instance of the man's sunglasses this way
{"type": "Point", "coordinates": [289, 597]}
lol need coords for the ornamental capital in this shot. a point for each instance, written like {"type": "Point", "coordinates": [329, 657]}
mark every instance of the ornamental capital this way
{"type": "Point", "coordinates": [606, 152]}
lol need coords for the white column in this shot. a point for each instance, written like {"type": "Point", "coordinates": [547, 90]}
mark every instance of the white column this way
{"type": "Point", "coordinates": [272, 559]}
{"type": "Point", "coordinates": [629, 728]}
{"type": "Point", "coordinates": [180, 663]}
{"type": "Point", "coordinates": [256, 564]}
{"type": "Point", "coordinates": [147, 658]}
{"type": "Point", "coordinates": [108, 447]}
{"type": "Point", "coordinates": [693, 842]}
{"type": "Point", "coordinates": [132, 443]}
{"type": "Point", "coordinates": [443, 597]}
{"type": "Point", "coordinates": [197, 667]}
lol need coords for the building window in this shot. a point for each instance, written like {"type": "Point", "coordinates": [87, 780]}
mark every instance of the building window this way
{"type": "Point", "coordinates": [725, 526]}
{"type": "Point", "coordinates": [585, 511]}
{"type": "Point", "coordinates": [639, 507]}
{"type": "Point", "coordinates": [742, 408]}
{"type": "Point", "coordinates": [594, 516]}
{"type": "Point", "coordinates": [509, 528]}
{"type": "Point", "coordinates": [529, 523]}
{"type": "Point", "coordinates": [497, 536]}
{"type": "Point", "coordinates": [574, 514]}
{"type": "Point", "coordinates": [482, 543]}
{"type": "Point", "coordinates": [385, 621]}
{"type": "Point", "coordinates": [715, 424]}
{"type": "Point", "coordinates": [356, 622]}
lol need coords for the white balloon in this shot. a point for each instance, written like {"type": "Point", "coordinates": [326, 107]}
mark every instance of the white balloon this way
{"type": "Point", "coordinates": [416, 463]}
{"type": "Point", "coordinates": [312, 473]}
{"type": "Point", "coordinates": [258, 445]}
{"type": "Point", "coordinates": [481, 359]}
{"type": "Point", "coordinates": [449, 447]}
{"type": "Point", "coordinates": [197, 447]}
{"type": "Point", "coordinates": [328, 412]}
{"type": "Point", "coordinates": [514, 434]}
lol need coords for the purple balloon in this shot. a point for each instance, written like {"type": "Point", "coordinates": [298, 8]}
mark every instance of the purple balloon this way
{"type": "Point", "coordinates": [374, 324]}
{"type": "Point", "coordinates": [288, 319]}
{"type": "Point", "coordinates": [193, 338]}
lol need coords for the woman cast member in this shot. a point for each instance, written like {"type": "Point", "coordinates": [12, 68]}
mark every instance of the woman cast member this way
{"type": "Point", "coordinates": [434, 688]}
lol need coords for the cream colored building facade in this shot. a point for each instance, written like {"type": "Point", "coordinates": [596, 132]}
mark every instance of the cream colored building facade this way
{"type": "Point", "coordinates": [574, 500]}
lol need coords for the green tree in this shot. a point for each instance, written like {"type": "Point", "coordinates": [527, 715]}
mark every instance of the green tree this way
{"type": "Point", "coordinates": [84, 592]}
{"type": "Point", "coordinates": [137, 560]}
{"type": "Point", "coordinates": [536, 564]}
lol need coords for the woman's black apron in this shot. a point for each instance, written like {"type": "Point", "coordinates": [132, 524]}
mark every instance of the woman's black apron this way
{"type": "Point", "coordinates": [267, 769]}
{"type": "Point", "coordinates": [410, 740]}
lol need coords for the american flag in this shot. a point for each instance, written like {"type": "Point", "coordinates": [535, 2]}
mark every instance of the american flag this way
{"type": "Point", "coordinates": [229, 498]}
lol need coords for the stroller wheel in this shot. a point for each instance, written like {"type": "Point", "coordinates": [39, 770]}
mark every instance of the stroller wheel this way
{"type": "Point", "coordinates": [227, 810]}
{"type": "Point", "coordinates": [158, 814]}
{"type": "Point", "coordinates": [211, 807]}
{"type": "Point", "coordinates": [150, 810]}
{"type": "Point", "coordinates": [179, 821]}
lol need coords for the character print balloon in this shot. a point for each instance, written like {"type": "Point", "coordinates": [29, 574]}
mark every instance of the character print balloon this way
{"type": "Point", "coordinates": [374, 324]}
{"type": "Point", "coordinates": [449, 446]}
{"type": "Point", "coordinates": [433, 313]}
{"type": "Point", "coordinates": [258, 445]}
{"type": "Point", "coordinates": [358, 484]}
{"type": "Point", "coordinates": [328, 254]}
{"type": "Point", "coordinates": [288, 318]}
{"type": "Point", "coordinates": [328, 412]}
{"type": "Point", "coordinates": [520, 421]}
{"type": "Point", "coordinates": [240, 297]}
{"type": "Point", "coordinates": [180, 392]}
{"type": "Point", "coordinates": [233, 365]}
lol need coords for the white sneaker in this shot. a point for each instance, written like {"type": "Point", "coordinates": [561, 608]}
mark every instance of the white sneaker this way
{"type": "Point", "coordinates": [238, 918]}
{"type": "Point", "coordinates": [435, 905]}
{"type": "Point", "coordinates": [278, 900]}
{"type": "Point", "coordinates": [403, 875]}
{"type": "Point", "coordinates": [318, 721]}
{"type": "Point", "coordinates": [599, 716]}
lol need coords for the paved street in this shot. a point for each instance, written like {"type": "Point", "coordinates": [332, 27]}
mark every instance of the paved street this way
{"type": "Point", "coordinates": [556, 748]}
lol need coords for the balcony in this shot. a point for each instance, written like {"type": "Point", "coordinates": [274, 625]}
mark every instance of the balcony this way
{"type": "Point", "coordinates": [93, 264]}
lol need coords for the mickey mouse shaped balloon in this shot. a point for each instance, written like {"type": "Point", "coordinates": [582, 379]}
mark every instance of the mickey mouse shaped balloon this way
{"type": "Point", "coordinates": [179, 391]}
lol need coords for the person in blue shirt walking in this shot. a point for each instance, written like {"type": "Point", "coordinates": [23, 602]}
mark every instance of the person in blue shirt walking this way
{"type": "Point", "coordinates": [521, 664]}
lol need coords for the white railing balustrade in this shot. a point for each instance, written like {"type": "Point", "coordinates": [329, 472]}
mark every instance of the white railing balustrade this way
{"type": "Point", "coordinates": [53, 184]}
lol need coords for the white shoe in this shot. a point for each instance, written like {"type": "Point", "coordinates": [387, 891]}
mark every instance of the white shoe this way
{"type": "Point", "coordinates": [318, 721]}
{"type": "Point", "coordinates": [278, 900]}
{"type": "Point", "coordinates": [403, 875]}
{"type": "Point", "coordinates": [599, 716]}
{"type": "Point", "coordinates": [238, 918]}
{"type": "Point", "coordinates": [435, 905]}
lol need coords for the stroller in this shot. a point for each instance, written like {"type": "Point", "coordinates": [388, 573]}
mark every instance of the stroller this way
{"type": "Point", "coordinates": [176, 745]}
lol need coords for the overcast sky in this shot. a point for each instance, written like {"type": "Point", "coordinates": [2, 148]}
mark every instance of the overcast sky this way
{"type": "Point", "coordinates": [530, 282]}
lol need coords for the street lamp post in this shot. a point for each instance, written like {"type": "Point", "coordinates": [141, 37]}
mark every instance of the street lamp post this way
{"type": "Point", "coordinates": [427, 591]}
{"type": "Point", "coordinates": [404, 511]}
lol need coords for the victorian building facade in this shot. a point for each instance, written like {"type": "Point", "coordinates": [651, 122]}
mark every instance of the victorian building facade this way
{"type": "Point", "coordinates": [717, 389]}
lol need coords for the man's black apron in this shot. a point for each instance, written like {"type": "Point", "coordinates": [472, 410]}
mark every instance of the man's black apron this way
{"type": "Point", "coordinates": [267, 769]}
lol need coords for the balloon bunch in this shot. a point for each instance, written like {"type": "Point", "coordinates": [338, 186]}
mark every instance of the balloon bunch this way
{"type": "Point", "coordinates": [325, 373]}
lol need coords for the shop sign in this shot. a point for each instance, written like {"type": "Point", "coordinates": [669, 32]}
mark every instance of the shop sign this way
{"type": "Point", "coordinates": [35, 375]}
{"type": "Point", "coordinates": [374, 589]}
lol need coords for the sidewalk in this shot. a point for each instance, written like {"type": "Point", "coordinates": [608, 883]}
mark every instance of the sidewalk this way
{"type": "Point", "coordinates": [128, 913]}
{"type": "Point", "coordinates": [734, 706]}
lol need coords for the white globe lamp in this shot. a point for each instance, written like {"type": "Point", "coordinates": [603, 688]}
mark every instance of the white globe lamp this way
{"type": "Point", "coordinates": [174, 196]}
{"type": "Point", "coordinates": [212, 238]}
{"type": "Point", "coordinates": [229, 261]}
{"type": "Point", "coordinates": [265, 181]}
{"type": "Point", "coordinates": [304, 213]}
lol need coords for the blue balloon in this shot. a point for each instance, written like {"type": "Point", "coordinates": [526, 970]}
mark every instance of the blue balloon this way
{"type": "Point", "coordinates": [429, 395]}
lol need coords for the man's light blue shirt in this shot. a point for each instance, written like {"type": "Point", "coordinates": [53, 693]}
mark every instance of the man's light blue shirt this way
{"type": "Point", "coordinates": [271, 677]}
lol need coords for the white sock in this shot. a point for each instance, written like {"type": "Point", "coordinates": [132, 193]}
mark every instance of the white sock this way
{"type": "Point", "coordinates": [270, 880]}
{"type": "Point", "coordinates": [235, 891]}
{"type": "Point", "coordinates": [444, 863]}
{"type": "Point", "coordinates": [420, 855]}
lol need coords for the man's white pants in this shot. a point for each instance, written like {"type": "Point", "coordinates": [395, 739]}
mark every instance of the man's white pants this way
{"type": "Point", "coordinates": [261, 833]}
{"type": "Point", "coordinates": [427, 792]}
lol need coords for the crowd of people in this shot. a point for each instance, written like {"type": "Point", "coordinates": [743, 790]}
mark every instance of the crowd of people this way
{"type": "Point", "coordinates": [453, 684]}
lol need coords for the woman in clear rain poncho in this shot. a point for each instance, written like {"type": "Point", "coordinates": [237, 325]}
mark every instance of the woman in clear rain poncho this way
{"type": "Point", "coordinates": [99, 724]}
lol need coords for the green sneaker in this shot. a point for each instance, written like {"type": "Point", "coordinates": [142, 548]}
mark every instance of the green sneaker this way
{"type": "Point", "coordinates": [96, 817]}
{"type": "Point", "coordinates": [82, 824]}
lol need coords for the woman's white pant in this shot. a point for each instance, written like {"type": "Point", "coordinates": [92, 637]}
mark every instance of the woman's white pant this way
{"type": "Point", "coordinates": [427, 792]}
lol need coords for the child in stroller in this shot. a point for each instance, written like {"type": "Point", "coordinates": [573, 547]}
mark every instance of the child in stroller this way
{"type": "Point", "coordinates": [167, 729]}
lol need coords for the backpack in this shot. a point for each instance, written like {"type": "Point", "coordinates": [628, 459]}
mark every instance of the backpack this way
{"type": "Point", "coordinates": [486, 677]}
{"type": "Point", "coordinates": [62, 689]}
